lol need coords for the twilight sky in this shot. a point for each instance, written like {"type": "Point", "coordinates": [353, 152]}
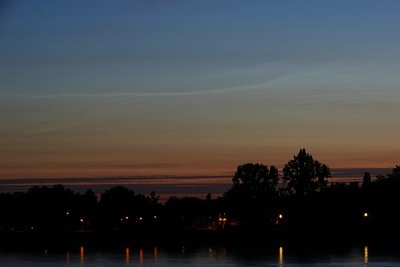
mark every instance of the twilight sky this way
{"type": "Point", "coordinates": [163, 87]}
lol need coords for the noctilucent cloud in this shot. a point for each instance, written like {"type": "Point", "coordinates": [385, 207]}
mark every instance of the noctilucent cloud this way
{"type": "Point", "coordinates": [119, 88]}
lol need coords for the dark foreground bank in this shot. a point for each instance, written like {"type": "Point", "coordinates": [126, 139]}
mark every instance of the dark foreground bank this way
{"type": "Point", "coordinates": [195, 238]}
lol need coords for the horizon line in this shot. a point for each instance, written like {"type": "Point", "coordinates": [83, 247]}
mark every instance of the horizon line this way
{"type": "Point", "coordinates": [183, 176]}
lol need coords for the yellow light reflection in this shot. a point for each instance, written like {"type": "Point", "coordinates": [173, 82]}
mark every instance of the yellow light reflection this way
{"type": "Point", "coordinates": [280, 262]}
{"type": "Point", "coordinates": [141, 256]}
{"type": "Point", "coordinates": [366, 255]}
{"type": "Point", "coordinates": [127, 256]}
{"type": "Point", "coordinates": [82, 255]}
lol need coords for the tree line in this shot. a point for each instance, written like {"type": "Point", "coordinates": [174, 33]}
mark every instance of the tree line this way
{"type": "Point", "coordinates": [301, 200]}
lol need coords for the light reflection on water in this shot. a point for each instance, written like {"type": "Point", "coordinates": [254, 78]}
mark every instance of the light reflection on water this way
{"type": "Point", "coordinates": [214, 256]}
{"type": "Point", "coordinates": [280, 261]}
{"type": "Point", "coordinates": [82, 255]}
{"type": "Point", "coordinates": [155, 253]}
{"type": "Point", "coordinates": [127, 257]}
{"type": "Point", "coordinates": [68, 257]}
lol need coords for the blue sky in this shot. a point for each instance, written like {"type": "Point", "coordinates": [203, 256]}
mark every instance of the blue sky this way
{"type": "Point", "coordinates": [97, 88]}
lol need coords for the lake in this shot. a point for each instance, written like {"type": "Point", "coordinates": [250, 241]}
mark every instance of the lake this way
{"type": "Point", "coordinates": [205, 256]}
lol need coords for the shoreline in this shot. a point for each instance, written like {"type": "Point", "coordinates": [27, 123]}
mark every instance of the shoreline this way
{"type": "Point", "coordinates": [239, 238]}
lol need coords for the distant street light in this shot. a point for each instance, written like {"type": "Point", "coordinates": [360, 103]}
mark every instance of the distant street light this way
{"type": "Point", "coordinates": [82, 223]}
{"type": "Point", "coordinates": [279, 218]}
{"type": "Point", "coordinates": [365, 214]}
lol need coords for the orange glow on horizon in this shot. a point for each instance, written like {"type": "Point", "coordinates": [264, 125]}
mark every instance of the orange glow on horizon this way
{"type": "Point", "coordinates": [182, 164]}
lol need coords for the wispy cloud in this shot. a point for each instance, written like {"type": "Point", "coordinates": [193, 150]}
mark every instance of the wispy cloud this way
{"type": "Point", "coordinates": [266, 70]}
{"type": "Point", "coordinates": [130, 94]}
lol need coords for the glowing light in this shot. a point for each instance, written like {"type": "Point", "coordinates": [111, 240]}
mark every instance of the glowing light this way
{"type": "Point", "coordinates": [280, 216]}
{"type": "Point", "coordinates": [126, 218]}
{"type": "Point", "coordinates": [366, 254]}
{"type": "Point", "coordinates": [365, 214]}
{"type": "Point", "coordinates": [280, 256]}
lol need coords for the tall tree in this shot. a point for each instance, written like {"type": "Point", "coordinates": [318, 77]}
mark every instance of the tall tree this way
{"type": "Point", "coordinates": [304, 175]}
{"type": "Point", "coordinates": [253, 196]}
{"type": "Point", "coordinates": [257, 179]}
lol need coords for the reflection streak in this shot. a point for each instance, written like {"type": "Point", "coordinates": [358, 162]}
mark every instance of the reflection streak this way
{"type": "Point", "coordinates": [68, 257]}
{"type": "Point", "coordinates": [141, 257]}
{"type": "Point", "coordinates": [82, 255]}
{"type": "Point", "coordinates": [127, 256]}
{"type": "Point", "coordinates": [155, 253]}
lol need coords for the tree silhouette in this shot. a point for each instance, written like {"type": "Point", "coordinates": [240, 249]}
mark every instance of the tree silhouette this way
{"type": "Point", "coordinates": [366, 179]}
{"type": "Point", "coordinates": [256, 179]}
{"type": "Point", "coordinates": [395, 172]}
{"type": "Point", "coordinates": [304, 175]}
{"type": "Point", "coordinates": [253, 195]}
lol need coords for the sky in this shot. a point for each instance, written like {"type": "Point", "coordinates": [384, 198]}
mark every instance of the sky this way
{"type": "Point", "coordinates": [195, 88]}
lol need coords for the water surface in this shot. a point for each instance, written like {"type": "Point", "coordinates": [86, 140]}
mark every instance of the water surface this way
{"type": "Point", "coordinates": [206, 256]}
